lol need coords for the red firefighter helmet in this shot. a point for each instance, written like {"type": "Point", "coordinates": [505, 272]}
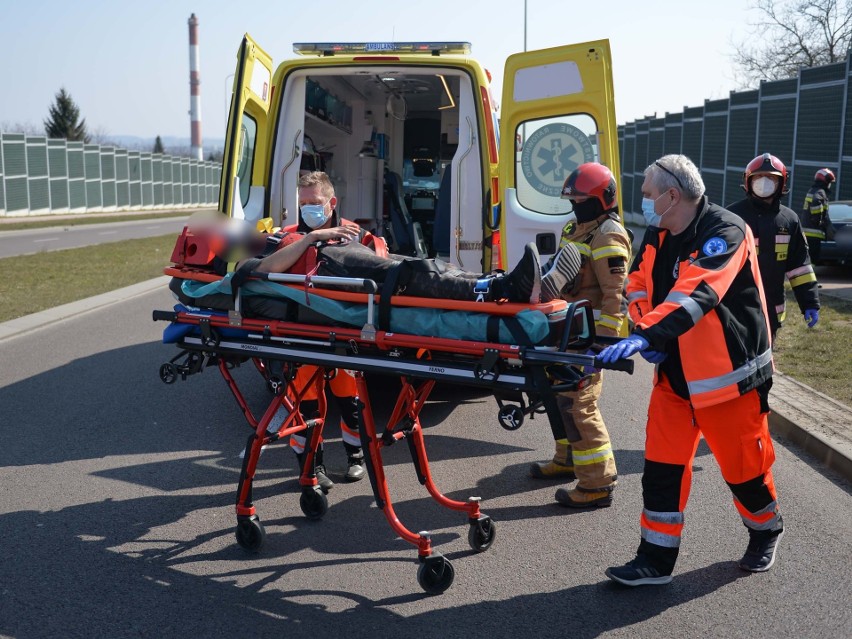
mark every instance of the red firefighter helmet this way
{"type": "Point", "coordinates": [825, 175]}
{"type": "Point", "coordinates": [591, 180]}
{"type": "Point", "coordinates": [765, 164]}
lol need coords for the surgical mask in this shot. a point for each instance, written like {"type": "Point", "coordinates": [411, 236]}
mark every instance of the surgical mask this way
{"type": "Point", "coordinates": [651, 216]}
{"type": "Point", "coordinates": [314, 215]}
{"type": "Point", "coordinates": [763, 186]}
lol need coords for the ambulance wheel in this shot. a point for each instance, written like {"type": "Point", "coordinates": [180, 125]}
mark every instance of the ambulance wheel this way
{"type": "Point", "coordinates": [250, 533]}
{"type": "Point", "coordinates": [168, 373]}
{"type": "Point", "coordinates": [435, 574]}
{"type": "Point", "coordinates": [313, 503]}
{"type": "Point", "coordinates": [511, 417]}
{"type": "Point", "coordinates": [481, 534]}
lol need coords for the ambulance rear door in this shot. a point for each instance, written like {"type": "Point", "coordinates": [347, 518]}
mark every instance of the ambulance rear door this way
{"type": "Point", "coordinates": [557, 112]}
{"type": "Point", "coordinates": [243, 191]}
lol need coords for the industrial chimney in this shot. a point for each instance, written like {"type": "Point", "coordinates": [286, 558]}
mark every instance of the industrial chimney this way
{"type": "Point", "coordinates": [195, 89]}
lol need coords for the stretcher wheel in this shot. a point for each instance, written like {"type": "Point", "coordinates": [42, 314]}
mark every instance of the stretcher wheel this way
{"type": "Point", "coordinates": [435, 574]}
{"type": "Point", "coordinates": [250, 533]}
{"type": "Point", "coordinates": [168, 373]}
{"type": "Point", "coordinates": [511, 417]}
{"type": "Point", "coordinates": [481, 534]}
{"type": "Point", "coordinates": [313, 503]}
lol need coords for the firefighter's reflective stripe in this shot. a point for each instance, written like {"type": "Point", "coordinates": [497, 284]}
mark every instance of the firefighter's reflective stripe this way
{"type": "Point", "coordinates": [814, 233]}
{"type": "Point", "coordinates": [592, 455]}
{"type": "Point", "coordinates": [662, 528]}
{"type": "Point", "coordinates": [701, 387]}
{"type": "Point", "coordinates": [781, 312]}
{"type": "Point", "coordinates": [609, 321]}
{"type": "Point", "coordinates": [610, 251]}
{"type": "Point", "coordinates": [801, 275]}
{"type": "Point", "coordinates": [584, 249]}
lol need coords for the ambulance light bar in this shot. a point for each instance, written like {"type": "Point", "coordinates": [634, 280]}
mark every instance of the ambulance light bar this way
{"type": "Point", "coordinates": [355, 48]}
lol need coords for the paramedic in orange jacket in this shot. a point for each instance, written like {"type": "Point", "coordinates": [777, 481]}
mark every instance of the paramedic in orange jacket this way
{"type": "Point", "coordinates": [605, 247]}
{"type": "Point", "coordinates": [695, 295]}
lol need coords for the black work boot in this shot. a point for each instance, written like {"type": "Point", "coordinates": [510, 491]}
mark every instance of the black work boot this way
{"type": "Point", "coordinates": [523, 284]}
{"type": "Point", "coordinates": [356, 470]}
{"type": "Point", "coordinates": [323, 479]}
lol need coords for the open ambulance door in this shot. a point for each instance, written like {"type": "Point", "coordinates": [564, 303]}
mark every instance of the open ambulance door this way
{"type": "Point", "coordinates": [557, 112]}
{"type": "Point", "coordinates": [243, 190]}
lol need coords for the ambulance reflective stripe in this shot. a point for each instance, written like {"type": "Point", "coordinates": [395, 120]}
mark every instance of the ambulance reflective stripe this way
{"type": "Point", "coordinates": [763, 519]}
{"type": "Point", "coordinates": [591, 455]}
{"type": "Point", "coordinates": [687, 303]}
{"type": "Point", "coordinates": [662, 528]}
{"type": "Point", "coordinates": [720, 382]}
{"type": "Point", "coordinates": [610, 251]}
{"type": "Point", "coordinates": [801, 275]}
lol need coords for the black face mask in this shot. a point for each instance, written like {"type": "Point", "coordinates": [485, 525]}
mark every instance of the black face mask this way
{"type": "Point", "coordinates": [589, 210]}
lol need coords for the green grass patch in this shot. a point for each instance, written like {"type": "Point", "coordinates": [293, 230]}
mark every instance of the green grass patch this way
{"type": "Point", "coordinates": [89, 218]}
{"type": "Point", "coordinates": [820, 357]}
{"type": "Point", "coordinates": [33, 283]}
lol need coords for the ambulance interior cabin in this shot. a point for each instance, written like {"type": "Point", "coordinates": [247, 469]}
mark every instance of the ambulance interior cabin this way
{"type": "Point", "coordinates": [389, 138]}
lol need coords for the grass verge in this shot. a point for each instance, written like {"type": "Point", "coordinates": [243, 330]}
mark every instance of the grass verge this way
{"type": "Point", "coordinates": [33, 283]}
{"type": "Point", "coordinates": [820, 357]}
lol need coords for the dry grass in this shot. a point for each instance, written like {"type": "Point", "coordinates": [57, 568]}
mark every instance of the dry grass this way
{"type": "Point", "coordinates": [820, 357]}
{"type": "Point", "coordinates": [33, 283]}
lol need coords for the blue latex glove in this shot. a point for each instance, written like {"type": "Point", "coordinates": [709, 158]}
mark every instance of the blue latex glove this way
{"type": "Point", "coordinates": [589, 369]}
{"type": "Point", "coordinates": [654, 357]}
{"type": "Point", "coordinates": [812, 317]}
{"type": "Point", "coordinates": [623, 349]}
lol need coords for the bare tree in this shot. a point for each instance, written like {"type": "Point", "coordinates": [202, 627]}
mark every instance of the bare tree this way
{"type": "Point", "coordinates": [790, 34]}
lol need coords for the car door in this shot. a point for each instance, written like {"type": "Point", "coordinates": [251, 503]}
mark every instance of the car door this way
{"type": "Point", "coordinates": [243, 187]}
{"type": "Point", "coordinates": [557, 112]}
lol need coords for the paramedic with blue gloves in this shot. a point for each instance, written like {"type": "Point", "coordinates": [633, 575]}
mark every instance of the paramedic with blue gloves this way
{"type": "Point", "coordinates": [598, 235]}
{"type": "Point", "coordinates": [694, 280]}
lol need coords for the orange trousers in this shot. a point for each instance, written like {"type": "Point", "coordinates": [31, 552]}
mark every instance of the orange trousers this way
{"type": "Point", "coordinates": [737, 432]}
{"type": "Point", "coordinates": [343, 389]}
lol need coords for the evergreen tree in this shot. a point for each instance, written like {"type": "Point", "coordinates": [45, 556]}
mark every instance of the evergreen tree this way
{"type": "Point", "coordinates": [158, 146]}
{"type": "Point", "coordinates": [64, 120]}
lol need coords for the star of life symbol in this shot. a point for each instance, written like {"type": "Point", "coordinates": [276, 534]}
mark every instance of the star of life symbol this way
{"type": "Point", "coordinates": [551, 153]}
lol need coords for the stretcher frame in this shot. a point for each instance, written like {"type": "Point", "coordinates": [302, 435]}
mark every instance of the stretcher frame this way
{"type": "Point", "coordinates": [523, 378]}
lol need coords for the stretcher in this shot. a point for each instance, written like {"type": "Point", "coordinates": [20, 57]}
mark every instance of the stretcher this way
{"type": "Point", "coordinates": [522, 373]}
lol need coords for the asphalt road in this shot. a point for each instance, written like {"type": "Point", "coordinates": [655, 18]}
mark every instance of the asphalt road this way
{"type": "Point", "coordinates": [55, 238]}
{"type": "Point", "coordinates": [117, 518]}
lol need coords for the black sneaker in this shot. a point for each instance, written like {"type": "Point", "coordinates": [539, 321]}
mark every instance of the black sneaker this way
{"type": "Point", "coordinates": [639, 572]}
{"type": "Point", "coordinates": [560, 272]}
{"type": "Point", "coordinates": [356, 470]}
{"type": "Point", "coordinates": [760, 554]}
{"type": "Point", "coordinates": [323, 479]}
{"type": "Point", "coordinates": [523, 284]}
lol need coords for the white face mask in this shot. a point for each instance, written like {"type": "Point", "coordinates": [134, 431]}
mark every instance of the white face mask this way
{"type": "Point", "coordinates": [763, 186]}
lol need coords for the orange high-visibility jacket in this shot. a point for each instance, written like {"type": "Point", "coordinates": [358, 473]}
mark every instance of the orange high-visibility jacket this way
{"type": "Point", "coordinates": [715, 311]}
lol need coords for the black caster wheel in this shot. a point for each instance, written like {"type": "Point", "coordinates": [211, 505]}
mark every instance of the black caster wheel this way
{"type": "Point", "coordinates": [313, 503]}
{"type": "Point", "coordinates": [435, 574]}
{"type": "Point", "coordinates": [250, 533]}
{"type": "Point", "coordinates": [168, 373]}
{"type": "Point", "coordinates": [481, 534]}
{"type": "Point", "coordinates": [511, 417]}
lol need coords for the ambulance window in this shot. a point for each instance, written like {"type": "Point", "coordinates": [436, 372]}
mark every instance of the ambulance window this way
{"type": "Point", "coordinates": [248, 138]}
{"type": "Point", "coordinates": [547, 150]}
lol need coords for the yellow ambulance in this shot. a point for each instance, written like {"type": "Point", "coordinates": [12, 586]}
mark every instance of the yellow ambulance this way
{"type": "Point", "coordinates": [410, 135]}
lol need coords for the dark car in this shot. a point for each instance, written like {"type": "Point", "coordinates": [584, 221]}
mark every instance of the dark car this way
{"type": "Point", "coordinates": [839, 250]}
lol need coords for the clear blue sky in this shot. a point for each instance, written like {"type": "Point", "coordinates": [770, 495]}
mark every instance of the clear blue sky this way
{"type": "Point", "coordinates": [126, 64]}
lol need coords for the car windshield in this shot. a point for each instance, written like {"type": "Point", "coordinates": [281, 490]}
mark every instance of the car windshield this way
{"type": "Point", "coordinates": [840, 212]}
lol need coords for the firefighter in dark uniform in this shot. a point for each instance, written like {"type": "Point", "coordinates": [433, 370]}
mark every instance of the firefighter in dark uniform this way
{"type": "Point", "coordinates": [605, 246]}
{"type": "Point", "coordinates": [814, 215]}
{"type": "Point", "coordinates": [694, 293]}
{"type": "Point", "coordinates": [781, 247]}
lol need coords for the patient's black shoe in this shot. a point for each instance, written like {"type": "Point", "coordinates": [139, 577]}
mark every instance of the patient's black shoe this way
{"type": "Point", "coordinates": [523, 284]}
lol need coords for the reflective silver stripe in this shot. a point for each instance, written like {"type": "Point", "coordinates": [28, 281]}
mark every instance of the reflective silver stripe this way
{"type": "Point", "coordinates": [674, 517]}
{"type": "Point", "coordinates": [686, 302]}
{"type": "Point", "coordinates": [637, 295]}
{"type": "Point", "coordinates": [770, 524]}
{"type": "Point", "coordinates": [609, 321]}
{"type": "Point", "coordinates": [660, 539]}
{"type": "Point", "coordinates": [591, 456]}
{"type": "Point", "coordinates": [799, 271]}
{"type": "Point", "coordinates": [782, 239]}
{"type": "Point", "coordinates": [779, 308]}
{"type": "Point", "coordinates": [735, 376]}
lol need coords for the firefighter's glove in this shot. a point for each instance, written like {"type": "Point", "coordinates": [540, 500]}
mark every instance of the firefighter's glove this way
{"type": "Point", "coordinates": [654, 357]}
{"type": "Point", "coordinates": [812, 317]}
{"type": "Point", "coordinates": [623, 349]}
